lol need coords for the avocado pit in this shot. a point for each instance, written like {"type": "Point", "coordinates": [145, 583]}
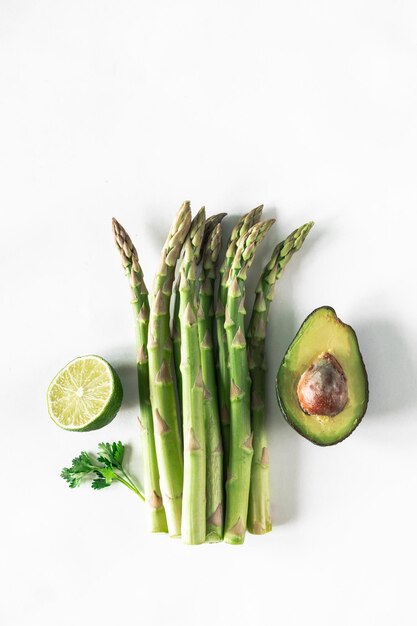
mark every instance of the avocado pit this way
{"type": "Point", "coordinates": [322, 388]}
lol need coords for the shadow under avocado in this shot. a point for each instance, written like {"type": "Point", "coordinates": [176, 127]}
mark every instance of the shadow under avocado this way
{"type": "Point", "coordinates": [390, 367]}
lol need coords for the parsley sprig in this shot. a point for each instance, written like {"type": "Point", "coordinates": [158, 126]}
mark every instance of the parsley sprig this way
{"type": "Point", "coordinates": [107, 468]}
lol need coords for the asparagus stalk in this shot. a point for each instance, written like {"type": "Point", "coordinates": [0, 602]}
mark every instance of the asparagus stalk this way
{"type": "Point", "coordinates": [176, 339]}
{"type": "Point", "coordinates": [165, 417]}
{"type": "Point", "coordinates": [211, 223]}
{"type": "Point", "coordinates": [214, 450]}
{"type": "Point", "coordinates": [140, 305]}
{"type": "Point", "coordinates": [241, 450]}
{"type": "Point", "coordinates": [259, 516]}
{"type": "Point", "coordinates": [193, 528]}
{"type": "Point", "coordinates": [223, 375]}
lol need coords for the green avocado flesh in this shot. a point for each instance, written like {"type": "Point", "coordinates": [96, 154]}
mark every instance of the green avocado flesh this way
{"type": "Point", "coordinates": [323, 333]}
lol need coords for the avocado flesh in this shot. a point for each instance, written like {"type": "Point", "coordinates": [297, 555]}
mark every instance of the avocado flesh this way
{"type": "Point", "coordinates": [323, 332]}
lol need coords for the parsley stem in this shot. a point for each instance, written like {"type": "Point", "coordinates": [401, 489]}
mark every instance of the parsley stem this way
{"type": "Point", "coordinates": [130, 479]}
{"type": "Point", "coordinates": [130, 485]}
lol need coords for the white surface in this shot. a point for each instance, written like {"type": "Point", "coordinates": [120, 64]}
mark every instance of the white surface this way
{"type": "Point", "coordinates": [126, 109]}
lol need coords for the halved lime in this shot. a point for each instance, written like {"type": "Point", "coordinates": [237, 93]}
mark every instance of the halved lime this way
{"type": "Point", "coordinates": [85, 395]}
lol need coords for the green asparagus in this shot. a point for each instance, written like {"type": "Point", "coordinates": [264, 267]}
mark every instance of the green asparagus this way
{"type": "Point", "coordinates": [241, 450]}
{"type": "Point", "coordinates": [214, 450]}
{"type": "Point", "coordinates": [223, 375]}
{"type": "Point", "coordinates": [193, 528]}
{"type": "Point", "coordinates": [176, 339]}
{"type": "Point", "coordinates": [211, 223]}
{"type": "Point", "coordinates": [259, 517]}
{"type": "Point", "coordinates": [140, 304]}
{"type": "Point", "coordinates": [165, 416]}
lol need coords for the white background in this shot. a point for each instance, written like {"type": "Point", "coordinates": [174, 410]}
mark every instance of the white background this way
{"type": "Point", "coordinates": [126, 109]}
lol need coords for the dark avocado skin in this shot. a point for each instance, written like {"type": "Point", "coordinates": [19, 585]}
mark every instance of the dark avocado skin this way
{"type": "Point", "coordinates": [366, 381]}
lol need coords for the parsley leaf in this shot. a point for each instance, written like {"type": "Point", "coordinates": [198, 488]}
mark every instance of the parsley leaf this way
{"type": "Point", "coordinates": [108, 474]}
{"type": "Point", "coordinates": [99, 483]}
{"type": "Point", "coordinates": [111, 454]}
{"type": "Point", "coordinates": [107, 469]}
{"type": "Point", "coordinates": [81, 466]}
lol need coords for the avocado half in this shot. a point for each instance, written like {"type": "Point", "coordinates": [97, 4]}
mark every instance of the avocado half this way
{"type": "Point", "coordinates": [324, 358]}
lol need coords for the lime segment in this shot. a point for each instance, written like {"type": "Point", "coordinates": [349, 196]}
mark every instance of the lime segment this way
{"type": "Point", "coordinates": [85, 395]}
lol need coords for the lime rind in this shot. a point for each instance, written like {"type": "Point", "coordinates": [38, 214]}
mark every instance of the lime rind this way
{"type": "Point", "coordinates": [85, 395]}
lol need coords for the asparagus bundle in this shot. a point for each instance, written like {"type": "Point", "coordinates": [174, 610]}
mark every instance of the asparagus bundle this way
{"type": "Point", "coordinates": [140, 304]}
{"type": "Point", "coordinates": [259, 516]}
{"type": "Point", "coordinates": [165, 416]}
{"type": "Point", "coordinates": [241, 450]}
{"type": "Point", "coordinates": [214, 449]}
{"type": "Point", "coordinates": [220, 388]}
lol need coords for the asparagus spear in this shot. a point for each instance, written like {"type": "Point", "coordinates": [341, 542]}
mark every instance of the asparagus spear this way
{"type": "Point", "coordinates": [211, 223]}
{"type": "Point", "coordinates": [165, 417]}
{"type": "Point", "coordinates": [176, 339]}
{"type": "Point", "coordinates": [214, 451]}
{"type": "Point", "coordinates": [241, 450]}
{"type": "Point", "coordinates": [259, 516]}
{"type": "Point", "coordinates": [140, 304]}
{"type": "Point", "coordinates": [193, 528]}
{"type": "Point", "coordinates": [223, 376]}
